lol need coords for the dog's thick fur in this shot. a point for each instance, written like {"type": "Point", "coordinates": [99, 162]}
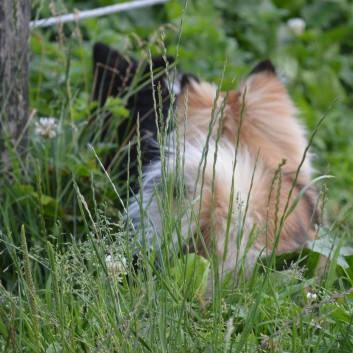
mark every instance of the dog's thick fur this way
{"type": "Point", "coordinates": [234, 192]}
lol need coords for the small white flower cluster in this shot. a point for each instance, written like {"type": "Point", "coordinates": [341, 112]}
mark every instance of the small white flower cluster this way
{"type": "Point", "coordinates": [296, 25]}
{"type": "Point", "coordinates": [46, 127]}
{"type": "Point", "coordinates": [117, 266]}
{"type": "Point", "coordinates": [311, 296]}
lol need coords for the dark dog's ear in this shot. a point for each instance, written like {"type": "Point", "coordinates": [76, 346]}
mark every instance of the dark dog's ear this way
{"type": "Point", "coordinates": [264, 66]}
{"type": "Point", "coordinates": [119, 75]}
{"type": "Point", "coordinates": [113, 72]}
{"type": "Point", "coordinates": [143, 102]}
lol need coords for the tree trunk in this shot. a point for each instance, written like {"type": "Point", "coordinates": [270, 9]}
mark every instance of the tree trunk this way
{"type": "Point", "coordinates": [14, 60]}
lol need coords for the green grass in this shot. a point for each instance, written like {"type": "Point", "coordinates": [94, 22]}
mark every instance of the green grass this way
{"type": "Point", "coordinates": [60, 212]}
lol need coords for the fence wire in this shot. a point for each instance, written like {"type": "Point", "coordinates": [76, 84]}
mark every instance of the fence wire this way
{"type": "Point", "coordinates": [102, 11]}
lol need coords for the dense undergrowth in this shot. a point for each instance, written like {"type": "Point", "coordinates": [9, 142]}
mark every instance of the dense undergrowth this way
{"type": "Point", "coordinates": [64, 248]}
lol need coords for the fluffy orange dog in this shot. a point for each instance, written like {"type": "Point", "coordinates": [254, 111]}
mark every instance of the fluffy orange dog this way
{"type": "Point", "coordinates": [231, 189]}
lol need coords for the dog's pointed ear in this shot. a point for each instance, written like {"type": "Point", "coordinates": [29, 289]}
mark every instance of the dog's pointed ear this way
{"type": "Point", "coordinates": [266, 104]}
{"type": "Point", "coordinates": [102, 53]}
{"type": "Point", "coordinates": [264, 66]}
{"type": "Point", "coordinates": [262, 86]}
{"type": "Point", "coordinates": [264, 95]}
{"type": "Point", "coordinates": [113, 72]}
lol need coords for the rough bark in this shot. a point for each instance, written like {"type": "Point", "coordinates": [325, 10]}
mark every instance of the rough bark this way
{"type": "Point", "coordinates": [14, 60]}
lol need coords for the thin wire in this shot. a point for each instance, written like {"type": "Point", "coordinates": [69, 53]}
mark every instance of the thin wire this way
{"type": "Point", "coordinates": [81, 15]}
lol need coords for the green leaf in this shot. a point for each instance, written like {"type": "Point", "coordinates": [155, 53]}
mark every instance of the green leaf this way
{"type": "Point", "coordinates": [324, 86]}
{"type": "Point", "coordinates": [332, 248]}
{"type": "Point", "coordinates": [115, 106]}
{"type": "Point", "coordinates": [54, 348]}
{"type": "Point", "coordinates": [191, 272]}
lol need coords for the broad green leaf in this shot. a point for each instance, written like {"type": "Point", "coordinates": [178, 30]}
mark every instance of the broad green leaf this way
{"type": "Point", "coordinates": [332, 248]}
{"type": "Point", "coordinates": [192, 273]}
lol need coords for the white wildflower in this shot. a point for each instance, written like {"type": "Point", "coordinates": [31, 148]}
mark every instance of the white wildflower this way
{"type": "Point", "coordinates": [311, 296]}
{"type": "Point", "coordinates": [117, 266]}
{"type": "Point", "coordinates": [296, 25]}
{"type": "Point", "coordinates": [46, 127]}
{"type": "Point", "coordinates": [229, 330]}
{"type": "Point", "coordinates": [266, 343]}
